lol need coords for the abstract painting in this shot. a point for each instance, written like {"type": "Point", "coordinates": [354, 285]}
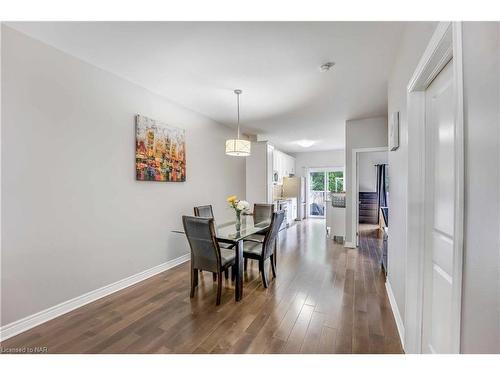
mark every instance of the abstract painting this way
{"type": "Point", "coordinates": [160, 151]}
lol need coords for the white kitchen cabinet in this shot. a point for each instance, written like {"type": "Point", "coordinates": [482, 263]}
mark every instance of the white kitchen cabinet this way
{"type": "Point", "coordinates": [283, 164]}
{"type": "Point", "coordinates": [292, 165]}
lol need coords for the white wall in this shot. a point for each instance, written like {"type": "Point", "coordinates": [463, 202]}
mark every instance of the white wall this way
{"type": "Point", "coordinates": [1, 193]}
{"type": "Point", "coordinates": [363, 133]}
{"type": "Point", "coordinates": [414, 41]}
{"type": "Point", "coordinates": [257, 174]}
{"type": "Point", "coordinates": [73, 216]}
{"type": "Point", "coordinates": [481, 301]}
{"type": "Point", "coordinates": [367, 172]}
{"type": "Point", "coordinates": [318, 159]}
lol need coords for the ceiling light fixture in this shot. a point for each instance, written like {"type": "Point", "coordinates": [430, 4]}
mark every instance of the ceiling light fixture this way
{"type": "Point", "coordinates": [238, 147]}
{"type": "Point", "coordinates": [305, 143]}
{"type": "Point", "coordinates": [326, 66]}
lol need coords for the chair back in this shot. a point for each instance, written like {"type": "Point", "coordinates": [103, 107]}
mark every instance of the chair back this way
{"type": "Point", "coordinates": [205, 251]}
{"type": "Point", "coordinates": [272, 233]}
{"type": "Point", "coordinates": [204, 211]}
{"type": "Point", "coordinates": [262, 212]}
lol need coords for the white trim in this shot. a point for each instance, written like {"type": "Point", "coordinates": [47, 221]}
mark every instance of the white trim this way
{"type": "Point", "coordinates": [350, 245]}
{"type": "Point", "coordinates": [24, 324]}
{"type": "Point", "coordinates": [459, 203]}
{"type": "Point", "coordinates": [445, 44]}
{"type": "Point", "coordinates": [354, 189]}
{"type": "Point", "coordinates": [395, 312]}
{"type": "Point", "coordinates": [437, 54]}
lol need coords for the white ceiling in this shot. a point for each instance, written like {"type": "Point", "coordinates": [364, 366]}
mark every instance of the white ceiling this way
{"type": "Point", "coordinates": [276, 64]}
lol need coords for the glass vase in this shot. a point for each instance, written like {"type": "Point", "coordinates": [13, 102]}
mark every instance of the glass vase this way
{"type": "Point", "coordinates": [238, 220]}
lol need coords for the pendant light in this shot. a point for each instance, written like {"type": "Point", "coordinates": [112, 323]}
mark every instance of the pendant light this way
{"type": "Point", "coordinates": [238, 147]}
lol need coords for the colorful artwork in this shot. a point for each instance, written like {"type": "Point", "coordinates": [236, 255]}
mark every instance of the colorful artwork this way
{"type": "Point", "coordinates": [160, 151]}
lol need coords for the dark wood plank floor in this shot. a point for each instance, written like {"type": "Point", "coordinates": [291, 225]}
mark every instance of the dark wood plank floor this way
{"type": "Point", "coordinates": [326, 299]}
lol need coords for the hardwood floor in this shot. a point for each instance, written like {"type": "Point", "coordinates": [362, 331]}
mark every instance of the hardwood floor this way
{"type": "Point", "coordinates": [325, 299]}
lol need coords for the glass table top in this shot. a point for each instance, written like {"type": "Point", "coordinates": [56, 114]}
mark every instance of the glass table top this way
{"type": "Point", "coordinates": [233, 232]}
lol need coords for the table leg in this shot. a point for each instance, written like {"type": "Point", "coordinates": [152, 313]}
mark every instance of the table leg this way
{"type": "Point", "coordinates": [239, 271]}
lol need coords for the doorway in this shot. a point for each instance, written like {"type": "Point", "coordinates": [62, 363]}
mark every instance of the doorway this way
{"type": "Point", "coordinates": [435, 197]}
{"type": "Point", "coordinates": [358, 155]}
{"type": "Point", "coordinates": [320, 182]}
{"type": "Point", "coordinates": [373, 186]}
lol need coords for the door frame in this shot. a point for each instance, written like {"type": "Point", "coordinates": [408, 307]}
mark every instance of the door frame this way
{"type": "Point", "coordinates": [444, 45]}
{"type": "Point", "coordinates": [355, 192]}
{"type": "Point", "coordinates": [308, 170]}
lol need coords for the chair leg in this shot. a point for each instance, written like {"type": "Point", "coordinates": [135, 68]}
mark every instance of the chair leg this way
{"type": "Point", "coordinates": [246, 263]}
{"type": "Point", "coordinates": [219, 288]}
{"type": "Point", "coordinates": [214, 276]}
{"type": "Point", "coordinates": [226, 273]}
{"type": "Point", "coordinates": [194, 281]}
{"type": "Point", "coordinates": [275, 254]}
{"type": "Point", "coordinates": [273, 266]}
{"type": "Point", "coordinates": [263, 273]}
{"type": "Point", "coordinates": [233, 273]}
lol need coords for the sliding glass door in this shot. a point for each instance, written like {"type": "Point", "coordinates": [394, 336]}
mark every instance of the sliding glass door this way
{"type": "Point", "coordinates": [322, 181]}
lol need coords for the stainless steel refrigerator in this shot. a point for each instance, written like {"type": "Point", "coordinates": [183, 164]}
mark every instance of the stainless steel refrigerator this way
{"type": "Point", "coordinates": [296, 187]}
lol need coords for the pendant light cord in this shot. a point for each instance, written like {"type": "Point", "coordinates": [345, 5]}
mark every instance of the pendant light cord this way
{"type": "Point", "coordinates": [238, 100]}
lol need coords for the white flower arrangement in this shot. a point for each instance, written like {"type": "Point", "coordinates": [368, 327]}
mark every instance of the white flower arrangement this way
{"type": "Point", "coordinates": [238, 205]}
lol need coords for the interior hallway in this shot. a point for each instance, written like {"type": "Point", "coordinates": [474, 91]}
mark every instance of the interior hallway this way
{"type": "Point", "coordinates": [326, 299]}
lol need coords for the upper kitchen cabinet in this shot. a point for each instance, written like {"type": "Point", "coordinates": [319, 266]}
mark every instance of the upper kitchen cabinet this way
{"type": "Point", "coordinates": [283, 165]}
{"type": "Point", "coordinates": [290, 165]}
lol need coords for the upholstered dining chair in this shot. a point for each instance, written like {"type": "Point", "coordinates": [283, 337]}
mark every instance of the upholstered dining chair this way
{"type": "Point", "coordinates": [206, 253]}
{"type": "Point", "coordinates": [204, 211]}
{"type": "Point", "coordinates": [261, 251]}
{"type": "Point", "coordinates": [207, 212]}
{"type": "Point", "coordinates": [261, 212]}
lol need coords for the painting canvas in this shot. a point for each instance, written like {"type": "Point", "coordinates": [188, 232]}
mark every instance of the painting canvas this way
{"type": "Point", "coordinates": [160, 151]}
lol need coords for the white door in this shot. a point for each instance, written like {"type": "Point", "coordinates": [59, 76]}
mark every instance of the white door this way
{"type": "Point", "coordinates": [439, 214]}
{"type": "Point", "coordinates": [321, 182]}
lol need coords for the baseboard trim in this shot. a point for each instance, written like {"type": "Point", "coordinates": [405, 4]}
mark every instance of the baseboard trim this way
{"type": "Point", "coordinates": [395, 312]}
{"type": "Point", "coordinates": [24, 324]}
{"type": "Point", "coordinates": [350, 245]}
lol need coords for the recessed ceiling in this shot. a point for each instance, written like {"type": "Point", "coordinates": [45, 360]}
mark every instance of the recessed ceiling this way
{"type": "Point", "coordinates": [286, 97]}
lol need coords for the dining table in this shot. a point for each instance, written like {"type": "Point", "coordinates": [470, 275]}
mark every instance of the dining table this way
{"type": "Point", "coordinates": [234, 233]}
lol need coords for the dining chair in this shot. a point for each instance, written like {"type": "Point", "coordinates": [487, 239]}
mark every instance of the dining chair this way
{"type": "Point", "coordinates": [204, 211]}
{"type": "Point", "coordinates": [207, 212]}
{"type": "Point", "coordinates": [261, 251]}
{"type": "Point", "coordinates": [206, 254]}
{"type": "Point", "coordinates": [261, 212]}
